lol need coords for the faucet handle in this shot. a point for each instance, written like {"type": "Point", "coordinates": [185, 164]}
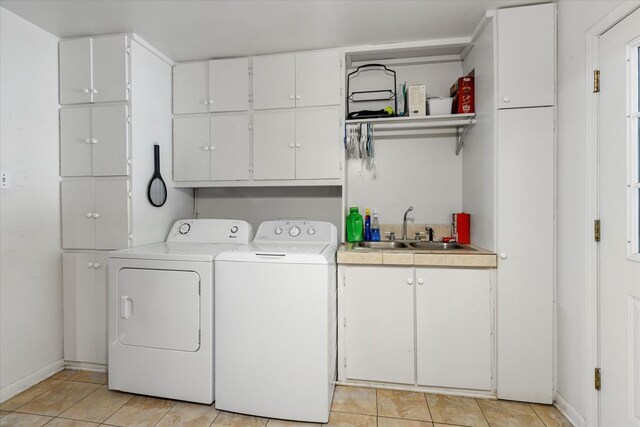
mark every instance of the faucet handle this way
{"type": "Point", "coordinates": [419, 235]}
{"type": "Point", "coordinates": [391, 235]}
{"type": "Point", "coordinates": [429, 232]}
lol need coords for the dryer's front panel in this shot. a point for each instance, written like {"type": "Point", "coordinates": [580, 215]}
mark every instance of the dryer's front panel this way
{"type": "Point", "coordinates": [159, 309]}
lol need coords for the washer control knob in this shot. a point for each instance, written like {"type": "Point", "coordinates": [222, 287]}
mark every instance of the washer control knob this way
{"type": "Point", "coordinates": [234, 229]}
{"type": "Point", "coordinates": [184, 228]}
{"type": "Point", "coordinates": [294, 231]}
{"type": "Point", "coordinates": [278, 230]}
{"type": "Point", "coordinates": [311, 231]}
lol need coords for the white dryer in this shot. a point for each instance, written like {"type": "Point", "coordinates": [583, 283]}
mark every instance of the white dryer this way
{"type": "Point", "coordinates": [275, 322]}
{"type": "Point", "coordinates": [161, 311]}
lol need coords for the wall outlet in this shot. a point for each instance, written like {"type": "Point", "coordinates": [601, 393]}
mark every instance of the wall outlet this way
{"type": "Point", "coordinates": [5, 182]}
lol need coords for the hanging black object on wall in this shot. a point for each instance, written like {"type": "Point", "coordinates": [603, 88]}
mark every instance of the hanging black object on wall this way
{"type": "Point", "coordinates": [157, 190]}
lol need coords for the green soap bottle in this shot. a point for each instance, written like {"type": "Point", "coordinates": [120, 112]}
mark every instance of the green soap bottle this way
{"type": "Point", "coordinates": [354, 226]}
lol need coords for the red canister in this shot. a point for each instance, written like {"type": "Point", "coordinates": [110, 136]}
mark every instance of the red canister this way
{"type": "Point", "coordinates": [462, 227]}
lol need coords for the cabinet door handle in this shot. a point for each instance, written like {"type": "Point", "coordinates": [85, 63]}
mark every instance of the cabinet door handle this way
{"type": "Point", "coordinates": [205, 148]}
{"type": "Point", "coordinates": [291, 146]}
{"type": "Point", "coordinates": [87, 140]}
{"type": "Point", "coordinates": [86, 90]}
{"type": "Point", "coordinates": [125, 307]}
{"type": "Point", "coordinates": [420, 281]}
{"type": "Point", "coordinates": [298, 96]}
{"type": "Point", "coordinates": [90, 265]}
{"type": "Point", "coordinates": [410, 281]}
{"type": "Point", "coordinates": [503, 255]}
{"type": "Point", "coordinates": [96, 215]}
{"type": "Point", "coordinates": [96, 265]}
{"type": "Point", "coordinates": [212, 148]}
{"type": "Point", "coordinates": [291, 97]}
{"type": "Point", "coordinates": [210, 101]}
{"type": "Point", "coordinates": [94, 91]}
{"type": "Point", "coordinates": [205, 102]}
{"type": "Point", "coordinates": [88, 215]}
{"type": "Point", "coordinates": [94, 141]}
{"type": "Point", "coordinates": [507, 99]}
{"type": "Point", "coordinates": [298, 145]}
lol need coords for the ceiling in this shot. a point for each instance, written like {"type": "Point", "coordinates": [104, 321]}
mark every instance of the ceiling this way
{"type": "Point", "coordinates": [189, 29]}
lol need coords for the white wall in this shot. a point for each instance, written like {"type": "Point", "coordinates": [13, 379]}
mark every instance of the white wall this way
{"type": "Point", "coordinates": [574, 19]}
{"type": "Point", "coordinates": [30, 265]}
{"type": "Point", "coordinates": [258, 204]}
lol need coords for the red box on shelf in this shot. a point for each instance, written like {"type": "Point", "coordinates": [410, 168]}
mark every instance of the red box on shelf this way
{"type": "Point", "coordinates": [464, 96]}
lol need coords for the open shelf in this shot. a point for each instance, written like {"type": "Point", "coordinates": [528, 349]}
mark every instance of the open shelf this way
{"type": "Point", "coordinates": [394, 127]}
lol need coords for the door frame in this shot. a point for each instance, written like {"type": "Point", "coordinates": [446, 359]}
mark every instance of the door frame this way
{"type": "Point", "coordinates": [593, 209]}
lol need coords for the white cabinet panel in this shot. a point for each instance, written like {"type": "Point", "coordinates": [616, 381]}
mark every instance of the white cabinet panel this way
{"type": "Point", "coordinates": [109, 56]}
{"type": "Point", "coordinates": [109, 130]}
{"type": "Point", "coordinates": [78, 230]}
{"type": "Point", "coordinates": [274, 145]}
{"type": "Point", "coordinates": [378, 308]}
{"type": "Point", "coordinates": [111, 204]}
{"type": "Point", "coordinates": [190, 88]}
{"type": "Point", "coordinates": [75, 142]}
{"type": "Point", "coordinates": [85, 307]}
{"type": "Point", "coordinates": [229, 84]}
{"type": "Point", "coordinates": [191, 140]}
{"type": "Point", "coordinates": [75, 71]}
{"type": "Point", "coordinates": [317, 78]}
{"type": "Point", "coordinates": [525, 243]}
{"type": "Point", "coordinates": [453, 335]}
{"type": "Point", "coordinates": [318, 143]}
{"type": "Point", "coordinates": [274, 81]}
{"type": "Point", "coordinates": [526, 59]}
{"type": "Point", "coordinates": [230, 154]}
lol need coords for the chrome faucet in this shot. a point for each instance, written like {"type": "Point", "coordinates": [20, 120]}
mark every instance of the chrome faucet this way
{"type": "Point", "coordinates": [429, 232]}
{"type": "Point", "coordinates": [404, 223]}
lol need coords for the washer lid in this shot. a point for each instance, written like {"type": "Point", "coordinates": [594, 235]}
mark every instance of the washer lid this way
{"type": "Point", "coordinates": [175, 251]}
{"type": "Point", "coordinates": [300, 253]}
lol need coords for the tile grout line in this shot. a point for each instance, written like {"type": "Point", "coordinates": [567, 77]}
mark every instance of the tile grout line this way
{"type": "Point", "coordinates": [482, 412]}
{"type": "Point", "coordinates": [537, 415]}
{"type": "Point", "coordinates": [428, 408]}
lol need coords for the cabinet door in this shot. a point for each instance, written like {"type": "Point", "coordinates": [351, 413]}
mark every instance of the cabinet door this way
{"type": "Point", "coordinates": [526, 59]}
{"type": "Point", "coordinates": [78, 227]}
{"type": "Point", "coordinates": [230, 147]}
{"type": "Point", "coordinates": [75, 71]}
{"type": "Point", "coordinates": [274, 145]}
{"type": "Point", "coordinates": [453, 320]}
{"type": "Point", "coordinates": [109, 130]}
{"type": "Point", "coordinates": [111, 205]}
{"type": "Point", "coordinates": [379, 324]}
{"type": "Point", "coordinates": [110, 71]}
{"type": "Point", "coordinates": [79, 307]}
{"type": "Point", "coordinates": [318, 144]}
{"type": "Point", "coordinates": [525, 169]}
{"type": "Point", "coordinates": [317, 78]}
{"type": "Point", "coordinates": [75, 141]}
{"type": "Point", "coordinates": [190, 88]}
{"type": "Point", "coordinates": [191, 141]}
{"type": "Point", "coordinates": [229, 84]}
{"type": "Point", "coordinates": [100, 266]}
{"type": "Point", "coordinates": [274, 81]}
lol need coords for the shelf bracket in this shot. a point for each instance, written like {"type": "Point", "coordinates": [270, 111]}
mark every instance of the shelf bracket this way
{"type": "Point", "coordinates": [460, 137]}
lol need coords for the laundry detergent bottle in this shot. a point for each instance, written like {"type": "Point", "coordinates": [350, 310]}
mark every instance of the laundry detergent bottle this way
{"type": "Point", "coordinates": [354, 226]}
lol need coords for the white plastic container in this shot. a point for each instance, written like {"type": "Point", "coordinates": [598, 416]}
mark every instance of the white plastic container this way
{"type": "Point", "coordinates": [440, 106]}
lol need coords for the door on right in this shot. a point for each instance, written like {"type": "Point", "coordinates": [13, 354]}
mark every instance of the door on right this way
{"type": "Point", "coordinates": [618, 200]}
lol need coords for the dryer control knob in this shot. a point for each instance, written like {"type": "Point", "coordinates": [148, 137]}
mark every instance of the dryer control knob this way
{"type": "Point", "coordinates": [294, 231]}
{"type": "Point", "coordinates": [234, 229]}
{"type": "Point", "coordinates": [311, 231]}
{"type": "Point", "coordinates": [184, 228]}
{"type": "Point", "coordinates": [278, 230]}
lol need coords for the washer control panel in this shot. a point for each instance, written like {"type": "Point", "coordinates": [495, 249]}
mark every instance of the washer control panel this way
{"type": "Point", "coordinates": [211, 231]}
{"type": "Point", "coordinates": [297, 231]}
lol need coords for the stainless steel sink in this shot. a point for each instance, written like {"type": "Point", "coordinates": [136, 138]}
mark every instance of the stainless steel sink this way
{"type": "Point", "coordinates": [440, 246]}
{"type": "Point", "coordinates": [382, 245]}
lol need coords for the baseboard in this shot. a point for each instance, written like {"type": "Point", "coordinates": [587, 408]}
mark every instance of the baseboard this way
{"type": "Point", "coordinates": [30, 380]}
{"type": "Point", "coordinates": [568, 411]}
{"type": "Point", "coordinates": [85, 366]}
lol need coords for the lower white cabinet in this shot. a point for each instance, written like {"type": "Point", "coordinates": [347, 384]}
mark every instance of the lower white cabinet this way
{"type": "Point", "coordinates": [212, 148]}
{"type": "Point", "coordinates": [297, 144]}
{"type": "Point", "coordinates": [420, 326]}
{"type": "Point", "coordinates": [95, 214]}
{"type": "Point", "coordinates": [85, 307]}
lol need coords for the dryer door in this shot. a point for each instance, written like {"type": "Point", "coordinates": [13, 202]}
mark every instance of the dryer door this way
{"type": "Point", "coordinates": [159, 309]}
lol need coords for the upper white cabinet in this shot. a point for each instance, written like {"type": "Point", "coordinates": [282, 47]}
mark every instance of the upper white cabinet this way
{"type": "Point", "coordinates": [297, 144]}
{"type": "Point", "coordinates": [526, 59]}
{"type": "Point", "coordinates": [95, 214]}
{"type": "Point", "coordinates": [93, 141]}
{"type": "Point", "coordinates": [211, 86]}
{"type": "Point", "coordinates": [296, 80]}
{"type": "Point", "coordinates": [93, 69]}
{"type": "Point", "coordinates": [212, 148]}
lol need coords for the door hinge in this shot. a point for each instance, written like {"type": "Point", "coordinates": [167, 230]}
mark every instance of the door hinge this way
{"type": "Point", "coordinates": [345, 362]}
{"type": "Point", "coordinates": [597, 378]}
{"type": "Point", "coordinates": [596, 230]}
{"type": "Point", "coordinates": [344, 322]}
{"type": "Point", "coordinates": [199, 336]}
{"type": "Point", "coordinates": [596, 81]}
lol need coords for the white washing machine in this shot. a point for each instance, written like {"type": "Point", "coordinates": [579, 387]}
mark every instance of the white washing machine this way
{"type": "Point", "coordinates": [275, 322]}
{"type": "Point", "coordinates": [161, 311]}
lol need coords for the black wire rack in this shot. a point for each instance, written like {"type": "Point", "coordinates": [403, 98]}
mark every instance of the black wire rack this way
{"type": "Point", "coordinates": [366, 95]}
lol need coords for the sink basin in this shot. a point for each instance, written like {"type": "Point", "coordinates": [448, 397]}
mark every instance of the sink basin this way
{"type": "Point", "coordinates": [440, 246]}
{"type": "Point", "coordinates": [381, 245]}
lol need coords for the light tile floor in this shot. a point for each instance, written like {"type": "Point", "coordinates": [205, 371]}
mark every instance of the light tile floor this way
{"type": "Point", "coordinates": [81, 399]}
